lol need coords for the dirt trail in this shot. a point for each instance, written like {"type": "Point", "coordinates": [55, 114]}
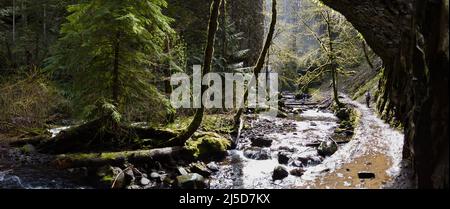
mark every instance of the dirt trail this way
{"type": "Point", "coordinates": [376, 148]}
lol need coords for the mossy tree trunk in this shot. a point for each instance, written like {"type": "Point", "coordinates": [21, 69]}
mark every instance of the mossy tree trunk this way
{"type": "Point", "coordinates": [259, 65]}
{"type": "Point", "coordinates": [332, 57]}
{"type": "Point", "coordinates": [208, 56]}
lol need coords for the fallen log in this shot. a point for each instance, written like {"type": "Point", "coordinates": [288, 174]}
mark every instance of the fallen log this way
{"type": "Point", "coordinates": [89, 138]}
{"type": "Point", "coordinates": [31, 140]}
{"type": "Point", "coordinates": [164, 155]}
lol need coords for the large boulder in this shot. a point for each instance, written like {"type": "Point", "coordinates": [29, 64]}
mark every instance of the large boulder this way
{"type": "Point", "coordinates": [261, 142]}
{"type": "Point", "coordinates": [257, 153]}
{"type": "Point", "coordinates": [279, 173]}
{"type": "Point", "coordinates": [327, 148]}
{"type": "Point", "coordinates": [284, 157]}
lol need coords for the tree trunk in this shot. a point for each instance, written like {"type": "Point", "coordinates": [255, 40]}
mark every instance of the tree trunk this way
{"type": "Point", "coordinates": [366, 54]}
{"type": "Point", "coordinates": [116, 84]}
{"type": "Point", "coordinates": [209, 52]}
{"type": "Point", "coordinates": [168, 71]}
{"type": "Point", "coordinates": [14, 22]}
{"type": "Point", "coordinates": [332, 59]}
{"type": "Point", "coordinates": [259, 66]}
{"type": "Point", "coordinates": [163, 155]}
{"type": "Point", "coordinates": [44, 25]}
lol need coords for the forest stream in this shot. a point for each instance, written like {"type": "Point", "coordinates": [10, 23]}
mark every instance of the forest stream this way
{"type": "Point", "coordinates": [371, 159]}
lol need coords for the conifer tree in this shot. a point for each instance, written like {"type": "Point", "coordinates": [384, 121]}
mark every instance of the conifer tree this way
{"type": "Point", "coordinates": [108, 47]}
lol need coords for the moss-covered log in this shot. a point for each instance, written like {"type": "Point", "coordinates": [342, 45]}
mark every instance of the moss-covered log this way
{"type": "Point", "coordinates": [94, 137]}
{"type": "Point", "coordinates": [162, 155]}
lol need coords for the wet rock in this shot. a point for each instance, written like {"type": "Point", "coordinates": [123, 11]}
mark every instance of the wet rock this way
{"type": "Point", "coordinates": [182, 171]}
{"type": "Point", "coordinates": [279, 173]}
{"type": "Point", "coordinates": [366, 175]}
{"type": "Point", "coordinates": [111, 177]}
{"type": "Point", "coordinates": [287, 148]}
{"type": "Point", "coordinates": [297, 172]}
{"type": "Point", "coordinates": [297, 111]}
{"type": "Point", "coordinates": [201, 169]}
{"type": "Point", "coordinates": [191, 181]}
{"type": "Point", "coordinates": [212, 166]}
{"type": "Point", "coordinates": [298, 163]}
{"type": "Point", "coordinates": [282, 114]}
{"type": "Point", "coordinates": [258, 153]}
{"type": "Point", "coordinates": [134, 187]}
{"type": "Point", "coordinates": [284, 157]}
{"type": "Point", "coordinates": [28, 149]}
{"type": "Point", "coordinates": [155, 176]}
{"type": "Point", "coordinates": [327, 148]}
{"type": "Point", "coordinates": [261, 142]}
{"type": "Point", "coordinates": [144, 181]}
{"type": "Point", "coordinates": [129, 176]}
{"type": "Point", "coordinates": [313, 124]}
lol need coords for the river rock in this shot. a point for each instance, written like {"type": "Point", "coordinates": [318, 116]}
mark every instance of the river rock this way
{"type": "Point", "coordinates": [111, 177]}
{"type": "Point", "coordinates": [28, 149]}
{"type": "Point", "coordinates": [279, 173]}
{"type": "Point", "coordinates": [297, 163]}
{"type": "Point", "coordinates": [327, 148]}
{"type": "Point", "coordinates": [129, 176]}
{"type": "Point", "coordinates": [144, 181]}
{"type": "Point", "coordinates": [201, 169]}
{"type": "Point", "coordinates": [297, 172]}
{"type": "Point", "coordinates": [282, 114]}
{"type": "Point", "coordinates": [182, 171]}
{"type": "Point", "coordinates": [284, 157]}
{"type": "Point", "coordinates": [213, 166]}
{"type": "Point", "coordinates": [261, 142]}
{"type": "Point", "coordinates": [258, 153]}
{"type": "Point", "coordinates": [191, 181]}
{"type": "Point", "coordinates": [155, 176]}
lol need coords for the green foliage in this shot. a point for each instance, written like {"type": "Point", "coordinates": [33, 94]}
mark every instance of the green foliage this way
{"type": "Point", "coordinates": [100, 33]}
{"type": "Point", "coordinates": [27, 101]}
{"type": "Point", "coordinates": [345, 53]}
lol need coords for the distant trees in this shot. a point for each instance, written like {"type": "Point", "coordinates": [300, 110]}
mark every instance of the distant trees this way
{"type": "Point", "coordinates": [338, 46]}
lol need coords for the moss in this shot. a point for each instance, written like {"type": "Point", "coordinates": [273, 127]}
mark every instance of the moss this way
{"type": "Point", "coordinates": [207, 145]}
{"type": "Point", "coordinates": [368, 86]}
{"type": "Point", "coordinates": [107, 179]}
{"type": "Point", "coordinates": [355, 117]}
{"type": "Point", "coordinates": [219, 123]}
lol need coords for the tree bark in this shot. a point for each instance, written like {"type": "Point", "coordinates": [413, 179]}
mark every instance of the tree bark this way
{"type": "Point", "coordinates": [366, 54]}
{"type": "Point", "coordinates": [162, 155]}
{"type": "Point", "coordinates": [168, 70]}
{"type": "Point", "coordinates": [209, 52]}
{"type": "Point", "coordinates": [332, 59]}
